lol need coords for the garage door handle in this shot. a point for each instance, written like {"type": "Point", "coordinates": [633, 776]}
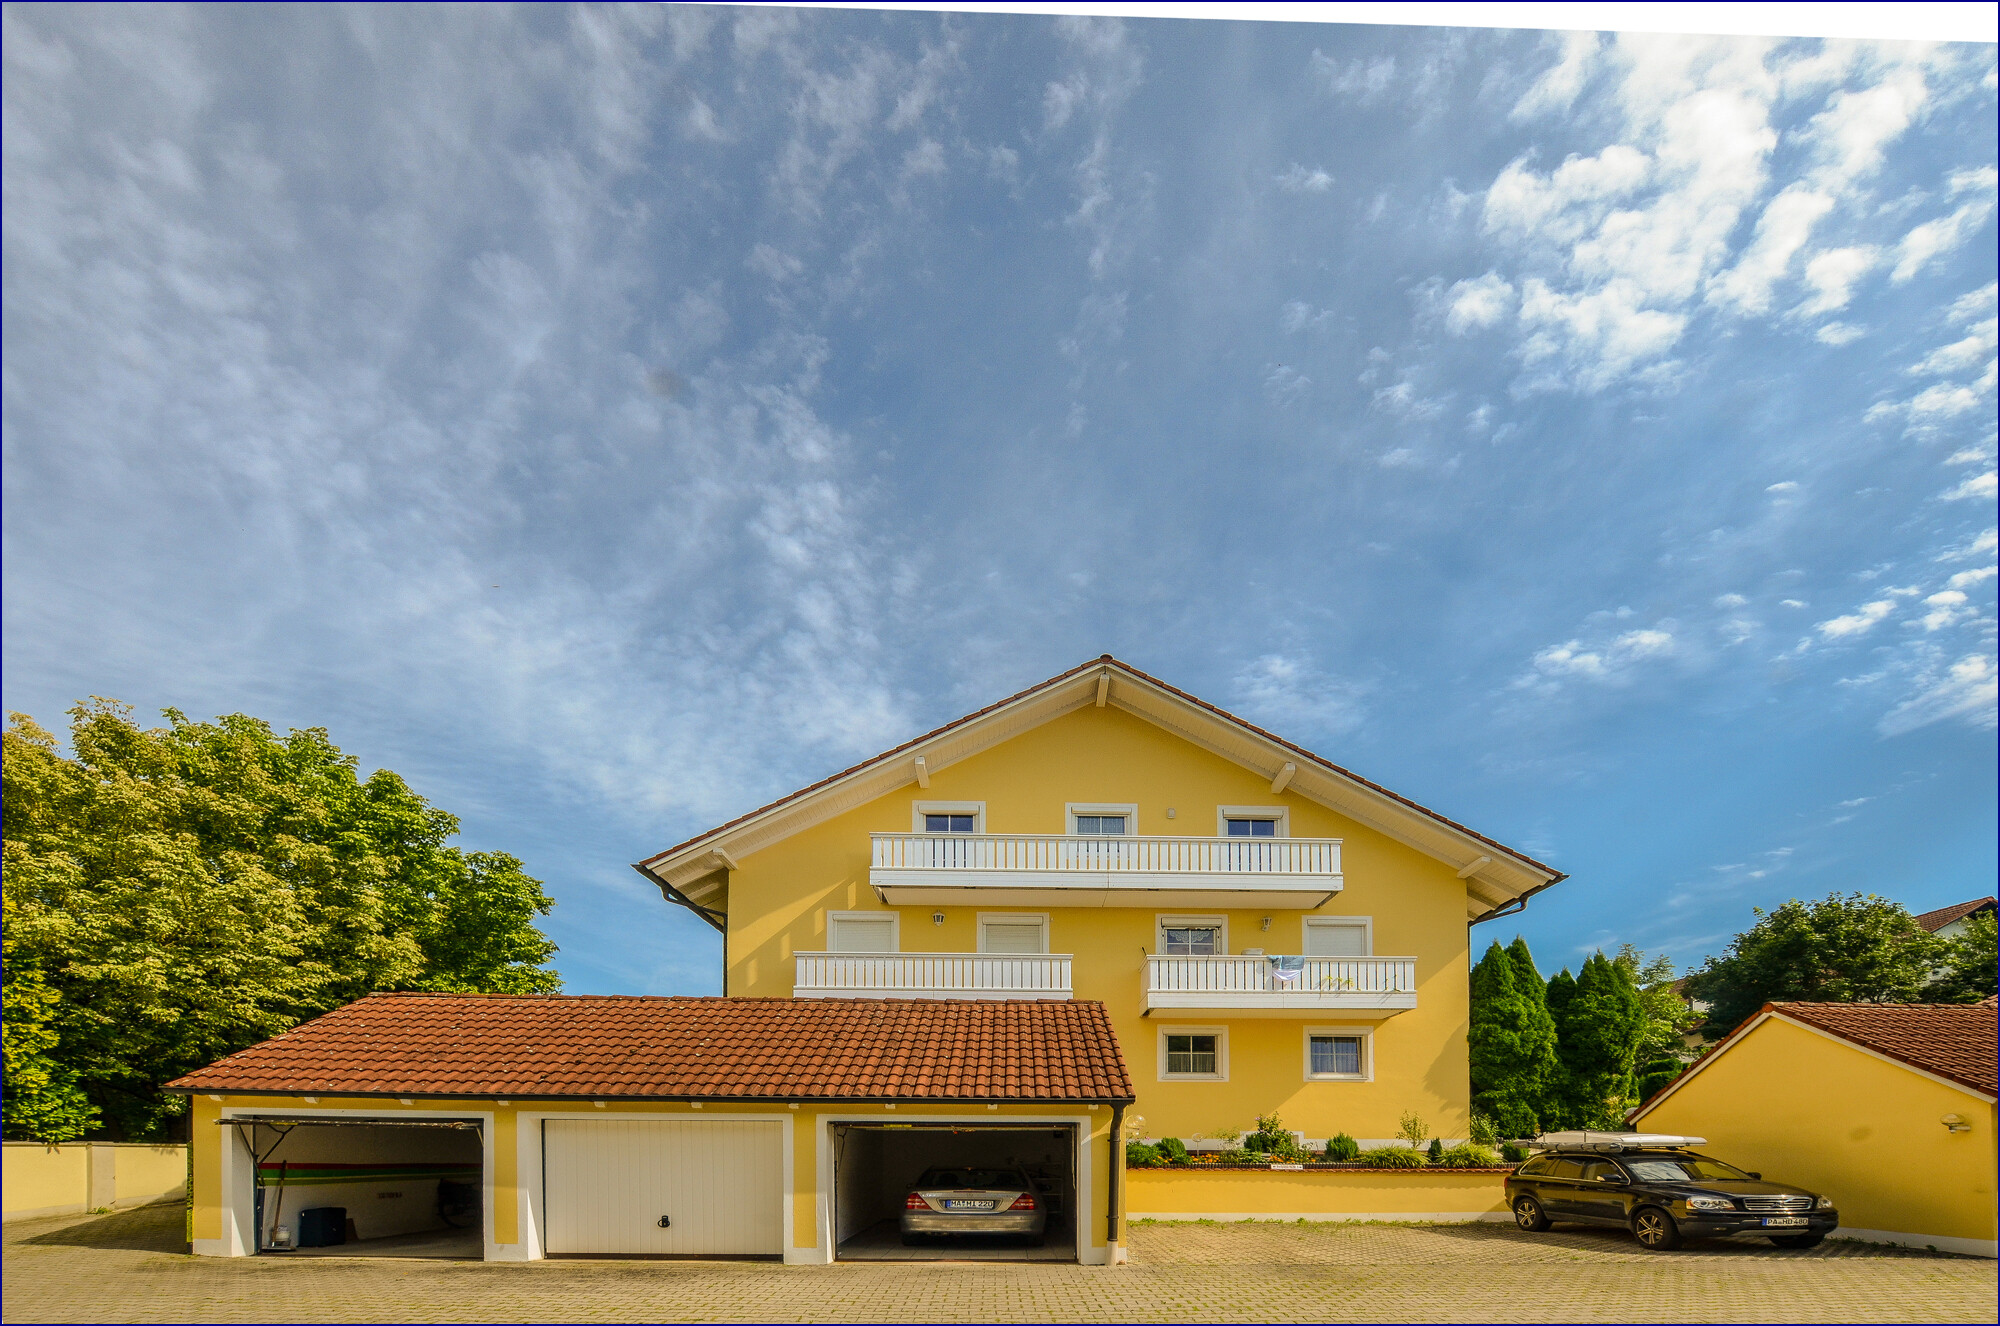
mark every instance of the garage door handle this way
{"type": "Point", "coordinates": [665, 1222]}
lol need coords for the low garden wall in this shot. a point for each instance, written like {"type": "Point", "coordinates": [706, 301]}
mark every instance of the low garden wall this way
{"type": "Point", "coordinates": [43, 1180]}
{"type": "Point", "coordinates": [1314, 1192]}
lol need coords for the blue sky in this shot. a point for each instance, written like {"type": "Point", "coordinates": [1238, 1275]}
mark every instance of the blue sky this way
{"type": "Point", "coordinates": [612, 419]}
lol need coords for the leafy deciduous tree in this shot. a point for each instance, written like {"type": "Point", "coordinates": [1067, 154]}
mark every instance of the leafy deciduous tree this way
{"type": "Point", "coordinates": [1850, 948]}
{"type": "Point", "coordinates": [1971, 962]}
{"type": "Point", "coordinates": [175, 894]}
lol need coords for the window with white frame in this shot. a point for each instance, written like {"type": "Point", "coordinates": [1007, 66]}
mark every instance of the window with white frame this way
{"type": "Point", "coordinates": [1339, 937]}
{"type": "Point", "coordinates": [948, 817]}
{"type": "Point", "coordinates": [1339, 1054]}
{"type": "Point", "coordinates": [1107, 820]}
{"type": "Point", "coordinates": [862, 932]}
{"type": "Point", "coordinates": [1194, 1054]}
{"type": "Point", "coordinates": [1013, 932]}
{"type": "Point", "coordinates": [1194, 936]}
{"type": "Point", "coordinates": [1252, 822]}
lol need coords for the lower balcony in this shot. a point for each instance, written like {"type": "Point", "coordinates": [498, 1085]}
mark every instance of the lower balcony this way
{"type": "Point", "coordinates": [931, 976]}
{"type": "Point", "coordinates": [1251, 985]}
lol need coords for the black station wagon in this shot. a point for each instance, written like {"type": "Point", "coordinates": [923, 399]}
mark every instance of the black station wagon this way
{"type": "Point", "coordinates": [1661, 1191]}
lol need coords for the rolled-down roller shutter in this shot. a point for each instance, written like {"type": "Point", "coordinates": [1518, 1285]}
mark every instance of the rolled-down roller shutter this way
{"type": "Point", "coordinates": [717, 1185]}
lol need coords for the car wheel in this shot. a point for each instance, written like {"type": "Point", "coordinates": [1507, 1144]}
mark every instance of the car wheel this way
{"type": "Point", "coordinates": [1798, 1240]}
{"type": "Point", "coordinates": [1656, 1230]}
{"type": "Point", "coordinates": [1528, 1214]}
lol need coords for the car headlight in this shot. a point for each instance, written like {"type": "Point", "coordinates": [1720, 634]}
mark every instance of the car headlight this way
{"type": "Point", "coordinates": [1710, 1204]}
{"type": "Point", "coordinates": [1826, 1203]}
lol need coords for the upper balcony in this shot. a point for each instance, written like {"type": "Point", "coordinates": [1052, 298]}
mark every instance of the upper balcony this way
{"type": "Point", "coordinates": [1072, 870]}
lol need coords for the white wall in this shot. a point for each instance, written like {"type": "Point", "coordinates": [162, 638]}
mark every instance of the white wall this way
{"type": "Point", "coordinates": [380, 1207]}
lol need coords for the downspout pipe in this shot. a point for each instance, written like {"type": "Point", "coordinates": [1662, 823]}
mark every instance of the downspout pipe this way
{"type": "Point", "coordinates": [1117, 1167]}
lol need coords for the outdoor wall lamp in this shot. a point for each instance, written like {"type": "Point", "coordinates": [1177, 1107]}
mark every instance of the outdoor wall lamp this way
{"type": "Point", "coordinates": [937, 918]}
{"type": "Point", "coordinates": [1266, 925]}
{"type": "Point", "coordinates": [1955, 1123]}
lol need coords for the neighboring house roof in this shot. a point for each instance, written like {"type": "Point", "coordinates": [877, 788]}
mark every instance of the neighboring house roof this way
{"type": "Point", "coordinates": [1958, 911]}
{"type": "Point", "coordinates": [1956, 1042]}
{"type": "Point", "coordinates": [646, 1047]}
{"type": "Point", "coordinates": [1497, 877]}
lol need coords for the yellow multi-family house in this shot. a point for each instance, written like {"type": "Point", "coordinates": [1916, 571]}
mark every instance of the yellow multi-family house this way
{"type": "Point", "coordinates": [1097, 910]}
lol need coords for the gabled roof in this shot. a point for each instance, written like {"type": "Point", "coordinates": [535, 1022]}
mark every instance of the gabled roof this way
{"type": "Point", "coordinates": [1498, 878]}
{"type": "Point", "coordinates": [625, 1047]}
{"type": "Point", "coordinates": [1957, 1043]}
{"type": "Point", "coordinates": [1958, 911]}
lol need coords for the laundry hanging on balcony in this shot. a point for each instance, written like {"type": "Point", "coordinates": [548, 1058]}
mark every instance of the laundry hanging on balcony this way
{"type": "Point", "coordinates": [1285, 968]}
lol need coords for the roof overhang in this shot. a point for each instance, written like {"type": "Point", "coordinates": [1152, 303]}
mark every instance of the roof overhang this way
{"type": "Point", "coordinates": [1498, 879]}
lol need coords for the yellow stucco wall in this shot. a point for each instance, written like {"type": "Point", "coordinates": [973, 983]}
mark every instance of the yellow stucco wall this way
{"type": "Point", "coordinates": [1806, 1108]}
{"type": "Point", "coordinates": [83, 1176]}
{"type": "Point", "coordinates": [45, 1180]}
{"type": "Point", "coordinates": [1173, 1193]}
{"type": "Point", "coordinates": [779, 898]}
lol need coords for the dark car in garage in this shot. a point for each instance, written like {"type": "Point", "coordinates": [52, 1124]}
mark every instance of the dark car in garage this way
{"type": "Point", "coordinates": [1662, 1190]}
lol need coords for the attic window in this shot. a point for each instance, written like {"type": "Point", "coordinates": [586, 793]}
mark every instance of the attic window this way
{"type": "Point", "coordinates": [948, 824]}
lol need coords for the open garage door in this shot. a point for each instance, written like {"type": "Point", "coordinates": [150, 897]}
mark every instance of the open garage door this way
{"type": "Point", "coordinates": [663, 1188]}
{"type": "Point", "coordinates": [354, 1186]}
{"type": "Point", "coordinates": [876, 1166]}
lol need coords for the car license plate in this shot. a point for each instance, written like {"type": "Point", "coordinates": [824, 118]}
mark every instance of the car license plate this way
{"type": "Point", "coordinates": [1773, 1222]}
{"type": "Point", "coordinates": [961, 1204]}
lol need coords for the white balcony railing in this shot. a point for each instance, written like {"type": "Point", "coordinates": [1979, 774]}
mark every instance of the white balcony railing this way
{"type": "Point", "coordinates": [932, 976]}
{"type": "Point", "coordinates": [1254, 982]}
{"type": "Point", "coordinates": [1106, 855]}
{"type": "Point", "coordinates": [1074, 870]}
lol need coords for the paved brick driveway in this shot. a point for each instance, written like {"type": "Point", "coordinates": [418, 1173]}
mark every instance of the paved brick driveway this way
{"type": "Point", "coordinates": [122, 1268]}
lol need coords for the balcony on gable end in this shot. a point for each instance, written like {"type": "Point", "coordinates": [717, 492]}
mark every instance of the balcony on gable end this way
{"type": "Point", "coordinates": [1073, 870]}
{"type": "Point", "coordinates": [931, 976]}
{"type": "Point", "coordinates": [1255, 985]}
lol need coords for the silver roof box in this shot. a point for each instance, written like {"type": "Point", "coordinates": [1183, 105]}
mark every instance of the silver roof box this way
{"type": "Point", "coordinates": [1595, 1141]}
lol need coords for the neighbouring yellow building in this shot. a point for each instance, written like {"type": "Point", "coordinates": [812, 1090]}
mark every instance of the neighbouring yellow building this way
{"type": "Point", "coordinates": [1887, 1108]}
{"type": "Point", "coordinates": [1096, 910]}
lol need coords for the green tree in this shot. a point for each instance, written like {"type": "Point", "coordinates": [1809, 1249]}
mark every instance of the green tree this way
{"type": "Point", "coordinates": [1511, 1044]}
{"type": "Point", "coordinates": [182, 892]}
{"type": "Point", "coordinates": [1971, 960]}
{"type": "Point", "coordinates": [1667, 1018]}
{"type": "Point", "coordinates": [1597, 1042]}
{"type": "Point", "coordinates": [1845, 948]}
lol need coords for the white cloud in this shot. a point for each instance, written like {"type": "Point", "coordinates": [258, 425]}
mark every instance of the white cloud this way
{"type": "Point", "coordinates": [1984, 542]}
{"type": "Point", "coordinates": [1287, 691]}
{"type": "Point", "coordinates": [1947, 607]}
{"type": "Point", "coordinates": [1838, 333]}
{"type": "Point", "coordinates": [1965, 689]}
{"type": "Point", "coordinates": [1298, 316]}
{"type": "Point", "coordinates": [1610, 663]}
{"type": "Point", "coordinates": [1832, 276]}
{"type": "Point", "coordinates": [1782, 486]}
{"type": "Point", "coordinates": [1478, 303]}
{"type": "Point", "coordinates": [1859, 622]}
{"type": "Point", "coordinates": [1967, 579]}
{"type": "Point", "coordinates": [1285, 385]}
{"type": "Point", "coordinates": [1938, 236]}
{"type": "Point", "coordinates": [1730, 601]}
{"type": "Point", "coordinates": [1978, 486]}
{"type": "Point", "coordinates": [1300, 180]}
{"type": "Point", "coordinates": [1366, 80]}
{"type": "Point", "coordinates": [1782, 231]}
{"type": "Point", "coordinates": [1590, 341]}
{"type": "Point", "coordinates": [1557, 88]}
{"type": "Point", "coordinates": [1972, 351]}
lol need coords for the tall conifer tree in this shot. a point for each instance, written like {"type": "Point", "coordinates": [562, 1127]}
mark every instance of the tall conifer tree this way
{"type": "Point", "coordinates": [1511, 1045]}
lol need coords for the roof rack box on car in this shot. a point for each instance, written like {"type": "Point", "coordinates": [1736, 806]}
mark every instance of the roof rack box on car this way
{"type": "Point", "coordinates": [1593, 1141]}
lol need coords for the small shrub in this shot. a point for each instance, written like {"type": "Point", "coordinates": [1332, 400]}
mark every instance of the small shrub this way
{"type": "Point", "coordinates": [1437, 1151]}
{"type": "Point", "coordinates": [1238, 1156]}
{"type": "Point", "coordinates": [1171, 1150]}
{"type": "Point", "coordinates": [1482, 1132]}
{"type": "Point", "coordinates": [1413, 1130]}
{"type": "Point", "coordinates": [1393, 1157]}
{"type": "Point", "coordinates": [1274, 1139]}
{"type": "Point", "coordinates": [1340, 1148]}
{"type": "Point", "coordinates": [1466, 1155]}
{"type": "Point", "coordinates": [1512, 1154]}
{"type": "Point", "coordinates": [1140, 1156]}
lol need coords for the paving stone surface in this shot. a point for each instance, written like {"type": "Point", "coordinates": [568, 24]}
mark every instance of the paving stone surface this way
{"type": "Point", "coordinates": [128, 1267]}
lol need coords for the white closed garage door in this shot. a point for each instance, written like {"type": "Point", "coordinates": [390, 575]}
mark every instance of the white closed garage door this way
{"type": "Point", "coordinates": [663, 1188]}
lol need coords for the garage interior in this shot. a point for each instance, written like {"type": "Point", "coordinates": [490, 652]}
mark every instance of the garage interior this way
{"type": "Point", "coordinates": [876, 1165]}
{"type": "Point", "coordinates": [400, 1188]}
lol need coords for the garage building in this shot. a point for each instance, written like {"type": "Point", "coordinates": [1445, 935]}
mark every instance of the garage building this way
{"type": "Point", "coordinates": [615, 1126]}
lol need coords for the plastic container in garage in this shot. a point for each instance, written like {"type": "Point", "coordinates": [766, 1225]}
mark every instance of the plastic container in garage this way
{"type": "Point", "coordinates": [322, 1226]}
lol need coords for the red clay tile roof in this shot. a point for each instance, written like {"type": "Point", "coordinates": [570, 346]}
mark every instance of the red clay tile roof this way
{"type": "Point", "coordinates": [1958, 911]}
{"type": "Point", "coordinates": [626, 1046]}
{"type": "Point", "coordinates": [1960, 1042]}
